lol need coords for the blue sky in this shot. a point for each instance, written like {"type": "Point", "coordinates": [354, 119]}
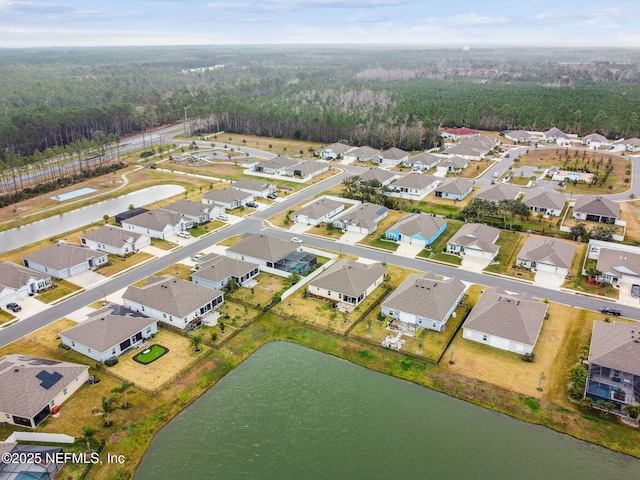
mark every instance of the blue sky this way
{"type": "Point", "coordinates": [45, 23]}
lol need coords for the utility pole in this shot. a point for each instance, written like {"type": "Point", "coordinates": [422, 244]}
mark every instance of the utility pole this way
{"type": "Point", "coordinates": [185, 123]}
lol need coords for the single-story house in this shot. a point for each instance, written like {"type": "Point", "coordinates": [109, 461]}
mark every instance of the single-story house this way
{"type": "Point", "coordinates": [555, 135]}
{"type": "Point", "coordinates": [129, 213]}
{"type": "Point", "coordinates": [595, 140]}
{"type": "Point", "coordinates": [256, 187]}
{"type": "Point", "coordinates": [157, 224]}
{"type": "Point", "coordinates": [498, 192]}
{"type": "Point", "coordinates": [458, 133]}
{"type": "Point", "coordinates": [393, 157]}
{"type": "Point", "coordinates": [427, 301]}
{"type": "Point", "coordinates": [545, 254]}
{"type": "Point", "coordinates": [363, 218]}
{"type": "Point", "coordinates": [596, 209]}
{"type": "Point", "coordinates": [318, 211]}
{"type": "Point", "coordinates": [417, 229]}
{"type": "Point", "coordinates": [454, 164]}
{"type": "Point", "coordinates": [271, 252]}
{"type": "Point", "coordinates": [115, 240]}
{"type": "Point", "coordinates": [547, 202]}
{"type": "Point", "coordinates": [197, 212]}
{"type": "Point", "coordinates": [18, 282]}
{"type": "Point", "coordinates": [510, 322]}
{"type": "Point", "coordinates": [63, 260]}
{"type": "Point", "coordinates": [310, 169]}
{"type": "Point", "coordinates": [618, 267]}
{"type": "Point", "coordinates": [215, 271]}
{"type": "Point", "coordinates": [455, 189]}
{"type": "Point", "coordinates": [31, 388]}
{"type": "Point", "coordinates": [383, 177]}
{"type": "Point", "coordinates": [334, 151]}
{"type": "Point", "coordinates": [414, 185]}
{"type": "Point", "coordinates": [469, 153]}
{"type": "Point", "coordinates": [347, 282]}
{"type": "Point", "coordinates": [423, 161]}
{"type": "Point", "coordinates": [521, 136]}
{"type": "Point", "coordinates": [614, 364]}
{"type": "Point", "coordinates": [362, 154]}
{"type": "Point", "coordinates": [632, 144]}
{"type": "Point", "coordinates": [227, 198]}
{"type": "Point", "coordinates": [277, 166]}
{"type": "Point", "coordinates": [109, 332]}
{"type": "Point", "coordinates": [475, 240]}
{"type": "Point", "coordinates": [172, 300]}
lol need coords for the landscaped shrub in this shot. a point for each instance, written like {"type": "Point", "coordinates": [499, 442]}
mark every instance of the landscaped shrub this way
{"type": "Point", "coordinates": [111, 362]}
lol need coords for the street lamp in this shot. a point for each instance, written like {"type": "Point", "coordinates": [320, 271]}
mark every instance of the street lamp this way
{"type": "Point", "coordinates": [104, 294]}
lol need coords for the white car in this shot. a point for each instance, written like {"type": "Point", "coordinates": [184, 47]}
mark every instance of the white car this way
{"type": "Point", "coordinates": [184, 234]}
{"type": "Point", "coordinates": [223, 217]}
{"type": "Point", "coordinates": [296, 240]}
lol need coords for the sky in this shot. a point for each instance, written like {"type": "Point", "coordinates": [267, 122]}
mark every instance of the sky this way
{"type": "Point", "coordinates": [563, 23]}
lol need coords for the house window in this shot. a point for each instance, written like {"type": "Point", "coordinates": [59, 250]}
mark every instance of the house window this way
{"type": "Point", "coordinates": [148, 329]}
{"type": "Point", "coordinates": [113, 351]}
{"type": "Point", "coordinates": [434, 324]}
{"type": "Point", "coordinates": [73, 344]}
{"type": "Point", "coordinates": [484, 338]}
{"type": "Point", "coordinates": [64, 391]}
{"type": "Point", "coordinates": [164, 315]}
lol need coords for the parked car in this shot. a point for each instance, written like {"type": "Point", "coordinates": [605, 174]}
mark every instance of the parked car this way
{"type": "Point", "coordinates": [272, 196]}
{"type": "Point", "coordinates": [611, 311]}
{"type": "Point", "coordinates": [296, 240]}
{"type": "Point", "coordinates": [223, 217]}
{"type": "Point", "coordinates": [252, 204]}
{"type": "Point", "coordinates": [635, 290]}
{"type": "Point", "coordinates": [184, 234]}
{"type": "Point", "coordinates": [14, 307]}
{"type": "Point", "coordinates": [197, 257]}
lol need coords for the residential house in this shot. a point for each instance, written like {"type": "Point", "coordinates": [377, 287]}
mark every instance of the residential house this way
{"type": "Point", "coordinates": [427, 301]}
{"type": "Point", "coordinates": [414, 185]}
{"type": "Point", "coordinates": [32, 388]}
{"type": "Point", "coordinates": [157, 224]}
{"type": "Point", "coordinates": [453, 165]}
{"type": "Point", "coordinates": [498, 192]}
{"type": "Point", "coordinates": [216, 271]}
{"type": "Point", "coordinates": [271, 252]}
{"type": "Point", "coordinates": [317, 212]}
{"type": "Point", "coordinates": [128, 214]}
{"type": "Point", "coordinates": [595, 140]}
{"type": "Point", "coordinates": [393, 157]}
{"type": "Point", "coordinates": [476, 240]}
{"type": "Point", "coordinates": [18, 282]}
{"type": "Point", "coordinates": [596, 209]}
{"type": "Point", "coordinates": [619, 265]}
{"type": "Point", "coordinates": [64, 260]}
{"type": "Point", "coordinates": [472, 148]}
{"type": "Point", "coordinates": [197, 212]}
{"type": "Point", "coordinates": [423, 161]}
{"type": "Point", "coordinates": [362, 154]}
{"type": "Point", "coordinates": [115, 240]}
{"type": "Point", "coordinates": [310, 169]}
{"type": "Point", "coordinates": [383, 177]}
{"type": "Point", "coordinates": [334, 151]}
{"type": "Point", "coordinates": [109, 332]}
{"type": "Point", "coordinates": [172, 300]}
{"type": "Point", "coordinates": [459, 133]}
{"type": "Point", "coordinates": [228, 198]}
{"type": "Point", "coordinates": [632, 144]}
{"type": "Point", "coordinates": [555, 135]}
{"type": "Point", "coordinates": [22, 464]}
{"type": "Point", "coordinates": [510, 322]}
{"type": "Point", "coordinates": [547, 202]}
{"type": "Point", "coordinates": [417, 229]}
{"type": "Point", "coordinates": [347, 282]}
{"type": "Point", "coordinates": [614, 364]}
{"type": "Point", "coordinates": [362, 218]}
{"type": "Point", "coordinates": [521, 136]}
{"type": "Point", "coordinates": [455, 189]}
{"type": "Point", "coordinates": [545, 254]}
{"type": "Point", "coordinates": [277, 166]}
{"type": "Point", "coordinates": [255, 187]}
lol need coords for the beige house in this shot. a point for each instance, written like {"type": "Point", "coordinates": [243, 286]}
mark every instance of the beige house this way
{"type": "Point", "coordinates": [545, 201]}
{"type": "Point", "coordinates": [115, 240]}
{"type": "Point", "coordinates": [318, 211]}
{"type": "Point", "coordinates": [475, 240]}
{"type": "Point", "coordinates": [498, 192]}
{"type": "Point", "coordinates": [546, 254]}
{"type": "Point", "coordinates": [384, 177]}
{"type": "Point", "coordinates": [596, 209]}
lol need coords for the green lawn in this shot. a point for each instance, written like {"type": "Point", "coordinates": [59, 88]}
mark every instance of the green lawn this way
{"type": "Point", "coordinates": [440, 244]}
{"type": "Point", "coordinates": [61, 288]}
{"type": "Point", "coordinates": [118, 264]}
{"type": "Point", "coordinates": [379, 242]}
{"type": "Point", "coordinates": [510, 244]}
{"type": "Point", "coordinates": [151, 354]}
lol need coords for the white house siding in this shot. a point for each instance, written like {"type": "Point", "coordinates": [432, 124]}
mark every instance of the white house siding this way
{"type": "Point", "coordinates": [337, 296]}
{"type": "Point", "coordinates": [472, 252]}
{"type": "Point", "coordinates": [70, 389]}
{"type": "Point", "coordinates": [167, 232]}
{"type": "Point", "coordinates": [180, 322]}
{"type": "Point", "coordinates": [247, 258]}
{"type": "Point", "coordinates": [9, 295]}
{"type": "Point", "coordinates": [424, 322]}
{"type": "Point", "coordinates": [497, 342]}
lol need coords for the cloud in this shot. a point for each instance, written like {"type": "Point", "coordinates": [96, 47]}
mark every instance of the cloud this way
{"type": "Point", "coordinates": [368, 16]}
{"type": "Point", "coordinates": [283, 6]}
{"type": "Point", "coordinates": [33, 8]}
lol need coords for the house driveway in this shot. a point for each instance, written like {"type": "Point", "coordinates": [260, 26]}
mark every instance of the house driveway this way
{"type": "Point", "coordinates": [475, 264]}
{"type": "Point", "coordinates": [300, 228]}
{"type": "Point", "coordinates": [408, 249]}
{"type": "Point", "coordinates": [351, 237]}
{"type": "Point", "coordinates": [549, 280]}
{"type": "Point", "coordinates": [87, 279]}
{"type": "Point", "coordinates": [155, 251]}
{"type": "Point", "coordinates": [625, 296]}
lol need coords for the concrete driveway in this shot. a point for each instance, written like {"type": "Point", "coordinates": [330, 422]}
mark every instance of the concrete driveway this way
{"type": "Point", "coordinates": [549, 280]}
{"type": "Point", "coordinates": [625, 296]}
{"type": "Point", "coordinates": [409, 250]}
{"type": "Point", "coordinates": [351, 237]}
{"type": "Point", "coordinates": [475, 264]}
{"type": "Point", "coordinates": [300, 228]}
{"type": "Point", "coordinates": [87, 279]}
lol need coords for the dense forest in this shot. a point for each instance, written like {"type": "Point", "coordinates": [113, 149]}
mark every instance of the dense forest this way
{"type": "Point", "coordinates": [53, 101]}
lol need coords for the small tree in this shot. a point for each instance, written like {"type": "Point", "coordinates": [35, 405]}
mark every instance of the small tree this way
{"type": "Point", "coordinates": [105, 217]}
{"type": "Point", "coordinates": [88, 434]}
{"type": "Point", "coordinates": [221, 325]}
{"type": "Point", "coordinates": [586, 404]}
{"type": "Point", "coordinates": [122, 390]}
{"type": "Point", "coordinates": [106, 408]}
{"type": "Point", "coordinates": [196, 340]}
{"type": "Point", "coordinates": [632, 410]}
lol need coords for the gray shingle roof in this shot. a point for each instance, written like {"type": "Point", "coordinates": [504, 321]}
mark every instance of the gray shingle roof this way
{"type": "Point", "coordinates": [22, 392]}
{"type": "Point", "coordinates": [264, 247]}
{"type": "Point", "coordinates": [365, 152]}
{"type": "Point", "coordinates": [419, 224]}
{"type": "Point", "coordinates": [251, 184]}
{"type": "Point", "coordinates": [394, 153]}
{"type": "Point", "coordinates": [597, 205]}
{"type": "Point", "coordinates": [618, 262]}
{"type": "Point", "coordinates": [376, 174]}
{"type": "Point", "coordinates": [155, 219]}
{"type": "Point", "coordinates": [338, 148]}
{"type": "Point", "coordinates": [171, 295]}
{"type": "Point", "coordinates": [456, 186]}
{"type": "Point", "coordinates": [616, 345]}
{"type": "Point", "coordinates": [279, 162]}
{"type": "Point", "coordinates": [110, 235]}
{"type": "Point", "coordinates": [349, 277]}
{"type": "Point", "coordinates": [226, 195]}
{"type": "Point", "coordinates": [498, 192]}
{"type": "Point", "coordinates": [217, 268]}
{"type": "Point", "coordinates": [307, 168]}
{"type": "Point", "coordinates": [555, 132]}
{"type": "Point", "coordinates": [455, 162]}
{"type": "Point", "coordinates": [548, 251]}
{"type": "Point", "coordinates": [62, 255]}
{"type": "Point", "coordinates": [415, 180]}
{"type": "Point", "coordinates": [107, 327]}
{"type": "Point", "coordinates": [15, 276]}
{"type": "Point", "coordinates": [539, 197]}
{"type": "Point", "coordinates": [363, 215]}
{"type": "Point", "coordinates": [187, 207]}
{"type": "Point", "coordinates": [480, 142]}
{"type": "Point", "coordinates": [514, 317]}
{"type": "Point", "coordinates": [428, 295]}
{"type": "Point", "coordinates": [319, 208]}
{"type": "Point", "coordinates": [478, 236]}
{"type": "Point", "coordinates": [425, 158]}
{"type": "Point", "coordinates": [595, 137]}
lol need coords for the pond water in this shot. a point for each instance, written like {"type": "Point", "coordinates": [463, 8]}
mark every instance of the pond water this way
{"type": "Point", "coordinates": [292, 413]}
{"type": "Point", "coordinates": [52, 226]}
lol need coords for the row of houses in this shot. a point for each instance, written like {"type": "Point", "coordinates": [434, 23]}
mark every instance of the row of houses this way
{"type": "Point", "coordinates": [556, 136]}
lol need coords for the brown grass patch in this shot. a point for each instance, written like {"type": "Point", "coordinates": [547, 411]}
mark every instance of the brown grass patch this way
{"type": "Point", "coordinates": [630, 213]}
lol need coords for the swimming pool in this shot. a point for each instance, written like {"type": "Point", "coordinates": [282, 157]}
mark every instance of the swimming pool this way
{"type": "Point", "coordinates": [75, 193]}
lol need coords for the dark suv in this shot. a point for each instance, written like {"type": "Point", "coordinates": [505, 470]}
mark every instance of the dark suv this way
{"type": "Point", "coordinates": [611, 311]}
{"type": "Point", "coordinates": [14, 307]}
